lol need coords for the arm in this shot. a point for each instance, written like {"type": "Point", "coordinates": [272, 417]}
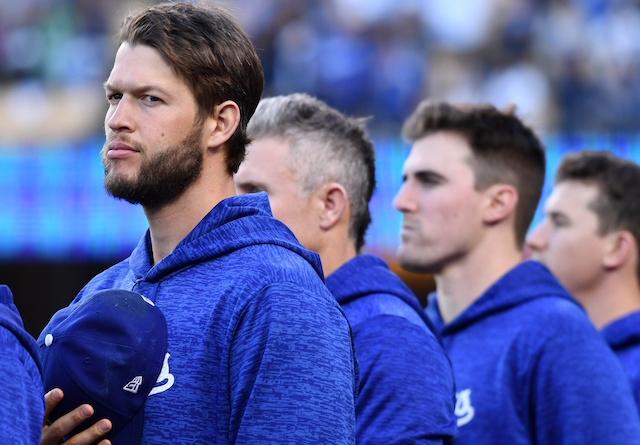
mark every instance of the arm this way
{"type": "Point", "coordinates": [407, 388]}
{"type": "Point", "coordinates": [55, 432]}
{"type": "Point", "coordinates": [292, 370]}
{"type": "Point", "coordinates": [582, 395]}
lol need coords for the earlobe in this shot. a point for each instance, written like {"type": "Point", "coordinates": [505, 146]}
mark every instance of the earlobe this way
{"type": "Point", "coordinates": [620, 247]}
{"type": "Point", "coordinates": [224, 123]}
{"type": "Point", "coordinates": [501, 203]}
{"type": "Point", "coordinates": [334, 204]}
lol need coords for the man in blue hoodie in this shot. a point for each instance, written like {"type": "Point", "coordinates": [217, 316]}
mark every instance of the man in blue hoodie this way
{"type": "Point", "coordinates": [317, 167]}
{"type": "Point", "coordinates": [589, 240]}
{"type": "Point", "coordinates": [258, 349]}
{"type": "Point", "coordinates": [22, 402]}
{"type": "Point", "coordinates": [529, 366]}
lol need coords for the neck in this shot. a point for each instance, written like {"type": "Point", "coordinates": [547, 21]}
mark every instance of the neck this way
{"type": "Point", "coordinates": [170, 224]}
{"type": "Point", "coordinates": [615, 297]}
{"type": "Point", "coordinates": [335, 253]}
{"type": "Point", "coordinates": [461, 283]}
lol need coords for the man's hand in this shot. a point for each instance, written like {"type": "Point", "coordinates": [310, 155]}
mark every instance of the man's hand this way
{"type": "Point", "coordinates": [52, 434]}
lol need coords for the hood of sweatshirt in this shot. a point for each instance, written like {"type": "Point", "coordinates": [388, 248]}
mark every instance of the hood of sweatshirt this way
{"type": "Point", "coordinates": [367, 275]}
{"type": "Point", "coordinates": [527, 281]}
{"type": "Point", "coordinates": [623, 332]}
{"type": "Point", "coordinates": [234, 223]}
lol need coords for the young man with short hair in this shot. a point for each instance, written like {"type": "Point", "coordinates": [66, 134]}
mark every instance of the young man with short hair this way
{"type": "Point", "coordinates": [258, 349]}
{"type": "Point", "coordinates": [589, 241]}
{"type": "Point", "coordinates": [529, 366]}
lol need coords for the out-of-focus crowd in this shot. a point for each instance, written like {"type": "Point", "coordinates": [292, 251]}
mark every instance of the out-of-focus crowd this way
{"type": "Point", "coordinates": [568, 65]}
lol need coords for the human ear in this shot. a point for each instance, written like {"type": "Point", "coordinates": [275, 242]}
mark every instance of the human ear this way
{"type": "Point", "coordinates": [223, 123]}
{"type": "Point", "coordinates": [335, 202]}
{"type": "Point", "coordinates": [620, 246]}
{"type": "Point", "coordinates": [501, 201]}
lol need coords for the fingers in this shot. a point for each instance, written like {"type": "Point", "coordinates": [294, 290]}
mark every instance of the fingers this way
{"type": "Point", "coordinates": [53, 434]}
{"type": "Point", "coordinates": [51, 399]}
{"type": "Point", "coordinates": [92, 434]}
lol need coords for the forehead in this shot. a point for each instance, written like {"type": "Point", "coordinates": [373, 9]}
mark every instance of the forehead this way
{"type": "Point", "coordinates": [267, 161]}
{"type": "Point", "coordinates": [442, 152]}
{"type": "Point", "coordinates": [572, 196]}
{"type": "Point", "coordinates": [142, 66]}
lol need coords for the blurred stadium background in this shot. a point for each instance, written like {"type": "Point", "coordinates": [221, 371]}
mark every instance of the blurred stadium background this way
{"type": "Point", "coordinates": [572, 67]}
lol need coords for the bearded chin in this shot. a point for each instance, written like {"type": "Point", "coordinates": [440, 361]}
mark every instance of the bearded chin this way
{"type": "Point", "coordinates": [162, 178]}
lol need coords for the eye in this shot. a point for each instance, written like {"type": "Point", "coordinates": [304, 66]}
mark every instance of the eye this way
{"type": "Point", "coordinates": [152, 99]}
{"type": "Point", "coordinates": [255, 189]}
{"type": "Point", "coordinates": [114, 97]}
{"type": "Point", "coordinates": [558, 221]}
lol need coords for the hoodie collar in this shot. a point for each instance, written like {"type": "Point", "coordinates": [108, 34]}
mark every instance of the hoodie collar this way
{"type": "Point", "coordinates": [527, 281]}
{"type": "Point", "coordinates": [234, 223]}
{"type": "Point", "coordinates": [623, 332]}
{"type": "Point", "coordinates": [366, 275]}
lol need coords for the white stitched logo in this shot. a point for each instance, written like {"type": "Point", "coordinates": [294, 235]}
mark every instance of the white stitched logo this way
{"type": "Point", "coordinates": [164, 375]}
{"type": "Point", "coordinates": [133, 385]}
{"type": "Point", "coordinates": [464, 410]}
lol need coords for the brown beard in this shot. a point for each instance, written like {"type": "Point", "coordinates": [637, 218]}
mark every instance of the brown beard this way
{"type": "Point", "coordinates": [162, 176]}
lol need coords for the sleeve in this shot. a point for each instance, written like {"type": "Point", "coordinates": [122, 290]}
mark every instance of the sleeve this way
{"type": "Point", "coordinates": [582, 395]}
{"type": "Point", "coordinates": [407, 387]}
{"type": "Point", "coordinates": [293, 374]}
{"type": "Point", "coordinates": [22, 401]}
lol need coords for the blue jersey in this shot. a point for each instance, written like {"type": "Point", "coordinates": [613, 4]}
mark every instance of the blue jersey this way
{"type": "Point", "coordinates": [259, 351]}
{"type": "Point", "coordinates": [530, 368]}
{"type": "Point", "coordinates": [407, 392]}
{"type": "Point", "coordinates": [22, 401]}
{"type": "Point", "coordinates": [623, 336]}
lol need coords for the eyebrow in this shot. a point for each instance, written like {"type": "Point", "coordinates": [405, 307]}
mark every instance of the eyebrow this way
{"type": "Point", "coordinates": [249, 184]}
{"type": "Point", "coordinates": [557, 214]}
{"type": "Point", "coordinates": [136, 91]}
{"type": "Point", "coordinates": [424, 175]}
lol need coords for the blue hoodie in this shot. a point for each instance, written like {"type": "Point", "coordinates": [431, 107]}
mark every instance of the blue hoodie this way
{"type": "Point", "coordinates": [407, 393]}
{"type": "Point", "coordinates": [531, 369]}
{"type": "Point", "coordinates": [22, 401]}
{"type": "Point", "coordinates": [623, 336]}
{"type": "Point", "coordinates": [258, 349]}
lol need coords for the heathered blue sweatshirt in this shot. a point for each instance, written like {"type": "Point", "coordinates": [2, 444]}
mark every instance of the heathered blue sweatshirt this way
{"type": "Point", "coordinates": [22, 401]}
{"type": "Point", "coordinates": [623, 336]}
{"type": "Point", "coordinates": [258, 349]}
{"type": "Point", "coordinates": [407, 393]}
{"type": "Point", "coordinates": [531, 369]}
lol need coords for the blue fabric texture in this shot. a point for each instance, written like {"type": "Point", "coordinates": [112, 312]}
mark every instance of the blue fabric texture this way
{"type": "Point", "coordinates": [407, 393]}
{"type": "Point", "coordinates": [22, 401]}
{"type": "Point", "coordinates": [623, 336]}
{"type": "Point", "coordinates": [530, 368]}
{"type": "Point", "coordinates": [258, 351]}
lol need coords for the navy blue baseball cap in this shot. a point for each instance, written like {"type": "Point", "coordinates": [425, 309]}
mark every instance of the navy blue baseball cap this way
{"type": "Point", "coordinates": [108, 352]}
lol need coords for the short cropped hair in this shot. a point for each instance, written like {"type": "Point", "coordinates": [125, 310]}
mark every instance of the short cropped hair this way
{"type": "Point", "coordinates": [325, 146]}
{"type": "Point", "coordinates": [210, 52]}
{"type": "Point", "coordinates": [618, 183]}
{"type": "Point", "coordinates": [504, 150]}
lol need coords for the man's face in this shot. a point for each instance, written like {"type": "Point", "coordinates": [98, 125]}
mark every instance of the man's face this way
{"type": "Point", "coordinates": [154, 145]}
{"type": "Point", "coordinates": [266, 168]}
{"type": "Point", "coordinates": [567, 240]}
{"type": "Point", "coordinates": [442, 210]}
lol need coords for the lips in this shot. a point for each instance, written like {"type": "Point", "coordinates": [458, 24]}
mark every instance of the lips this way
{"type": "Point", "coordinates": [119, 150]}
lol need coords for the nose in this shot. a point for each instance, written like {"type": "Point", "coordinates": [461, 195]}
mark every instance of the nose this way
{"type": "Point", "coordinates": [403, 201]}
{"type": "Point", "coordinates": [537, 240]}
{"type": "Point", "coordinates": [119, 116]}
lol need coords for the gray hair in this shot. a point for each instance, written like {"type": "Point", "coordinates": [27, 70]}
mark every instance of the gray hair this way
{"type": "Point", "coordinates": [325, 146]}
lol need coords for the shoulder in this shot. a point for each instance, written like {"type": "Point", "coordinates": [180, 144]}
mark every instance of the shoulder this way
{"type": "Point", "coordinates": [383, 308]}
{"type": "Point", "coordinates": [18, 363]}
